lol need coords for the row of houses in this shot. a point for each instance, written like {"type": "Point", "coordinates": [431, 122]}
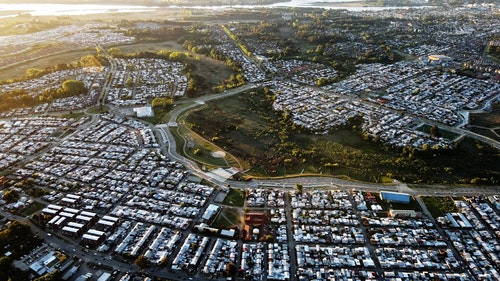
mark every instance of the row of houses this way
{"type": "Point", "coordinates": [22, 137]}
{"type": "Point", "coordinates": [405, 86]}
{"type": "Point", "coordinates": [134, 242]}
{"type": "Point", "coordinates": [321, 199]}
{"type": "Point", "coordinates": [260, 197]}
{"type": "Point", "coordinates": [138, 80]}
{"type": "Point", "coordinates": [223, 252]}
{"type": "Point", "coordinates": [301, 71]}
{"type": "Point", "coordinates": [92, 77]}
{"type": "Point", "coordinates": [251, 71]}
{"type": "Point", "coordinates": [190, 253]}
{"type": "Point", "coordinates": [323, 262]}
{"type": "Point", "coordinates": [414, 244]}
{"type": "Point", "coordinates": [439, 97]}
{"type": "Point", "coordinates": [471, 234]}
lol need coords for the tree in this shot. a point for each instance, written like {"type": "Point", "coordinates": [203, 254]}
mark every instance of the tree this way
{"type": "Point", "coordinates": [10, 196]}
{"type": "Point", "coordinates": [435, 133]}
{"type": "Point", "coordinates": [5, 263]}
{"type": "Point", "coordinates": [142, 262]}
{"type": "Point", "coordinates": [425, 147]}
{"type": "Point", "coordinates": [164, 103]}
{"type": "Point", "coordinates": [231, 269]}
{"type": "Point", "coordinates": [34, 73]}
{"type": "Point", "coordinates": [114, 52]}
{"type": "Point", "coordinates": [73, 87]}
{"type": "Point", "coordinates": [54, 275]}
{"type": "Point", "coordinates": [298, 187]}
{"type": "Point", "coordinates": [130, 82]}
{"type": "Point", "coordinates": [90, 61]}
{"type": "Point", "coordinates": [178, 56]}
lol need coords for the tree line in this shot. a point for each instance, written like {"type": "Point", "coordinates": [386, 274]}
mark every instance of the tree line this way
{"type": "Point", "coordinates": [20, 98]}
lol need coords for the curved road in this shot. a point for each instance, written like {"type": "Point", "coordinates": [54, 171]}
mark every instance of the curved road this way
{"type": "Point", "coordinates": [167, 139]}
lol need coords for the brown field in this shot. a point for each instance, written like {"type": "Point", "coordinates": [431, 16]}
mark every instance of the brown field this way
{"type": "Point", "coordinates": [18, 70]}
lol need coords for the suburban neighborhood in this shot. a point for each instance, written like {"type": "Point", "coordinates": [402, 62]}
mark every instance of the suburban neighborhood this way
{"type": "Point", "coordinates": [112, 195]}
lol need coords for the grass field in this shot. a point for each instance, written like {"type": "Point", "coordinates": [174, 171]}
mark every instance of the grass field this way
{"type": "Point", "coordinates": [445, 134]}
{"type": "Point", "coordinates": [19, 70]}
{"type": "Point", "coordinates": [199, 149]}
{"type": "Point", "coordinates": [228, 217]}
{"type": "Point", "coordinates": [487, 120]}
{"type": "Point", "coordinates": [160, 117]}
{"type": "Point", "coordinates": [98, 110]}
{"type": "Point", "coordinates": [438, 206]}
{"type": "Point", "coordinates": [487, 124]}
{"type": "Point", "coordinates": [235, 197]}
{"type": "Point", "coordinates": [31, 209]}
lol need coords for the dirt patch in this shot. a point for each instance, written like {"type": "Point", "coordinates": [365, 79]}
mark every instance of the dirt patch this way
{"type": "Point", "coordinates": [218, 154]}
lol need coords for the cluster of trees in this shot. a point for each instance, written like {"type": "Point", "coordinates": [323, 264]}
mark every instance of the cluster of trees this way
{"type": "Point", "coordinates": [238, 42]}
{"type": "Point", "coordinates": [22, 98]}
{"type": "Point", "coordinates": [323, 32]}
{"type": "Point", "coordinates": [493, 48]}
{"type": "Point", "coordinates": [18, 239]}
{"type": "Point", "coordinates": [170, 55]}
{"type": "Point", "coordinates": [235, 80]}
{"type": "Point", "coordinates": [202, 44]}
{"type": "Point", "coordinates": [98, 60]}
{"type": "Point", "coordinates": [69, 88]}
{"type": "Point", "coordinates": [196, 83]}
{"type": "Point", "coordinates": [160, 34]}
{"type": "Point", "coordinates": [10, 196]}
{"type": "Point", "coordinates": [17, 99]}
{"type": "Point", "coordinates": [163, 103]}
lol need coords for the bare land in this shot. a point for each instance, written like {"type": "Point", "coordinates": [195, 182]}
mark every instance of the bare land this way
{"type": "Point", "coordinates": [19, 70]}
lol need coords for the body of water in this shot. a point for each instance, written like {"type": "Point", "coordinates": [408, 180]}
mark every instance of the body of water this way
{"type": "Point", "coordinates": [12, 10]}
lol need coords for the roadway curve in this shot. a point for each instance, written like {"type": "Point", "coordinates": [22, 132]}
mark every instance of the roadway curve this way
{"type": "Point", "coordinates": [167, 140]}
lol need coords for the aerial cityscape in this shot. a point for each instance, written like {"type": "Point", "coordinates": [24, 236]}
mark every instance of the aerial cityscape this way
{"type": "Point", "coordinates": [250, 140]}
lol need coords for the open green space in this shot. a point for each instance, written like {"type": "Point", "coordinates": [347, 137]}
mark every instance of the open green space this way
{"type": "Point", "coordinates": [98, 110]}
{"type": "Point", "coordinates": [267, 142]}
{"type": "Point", "coordinates": [438, 206]}
{"type": "Point", "coordinates": [33, 208]}
{"type": "Point", "coordinates": [199, 149]}
{"type": "Point", "coordinates": [487, 124]}
{"type": "Point", "coordinates": [19, 70]}
{"type": "Point", "coordinates": [228, 217]}
{"type": "Point", "coordinates": [161, 116]}
{"type": "Point", "coordinates": [235, 197]}
{"type": "Point", "coordinates": [487, 120]}
{"type": "Point", "coordinates": [152, 47]}
{"type": "Point", "coordinates": [425, 128]}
